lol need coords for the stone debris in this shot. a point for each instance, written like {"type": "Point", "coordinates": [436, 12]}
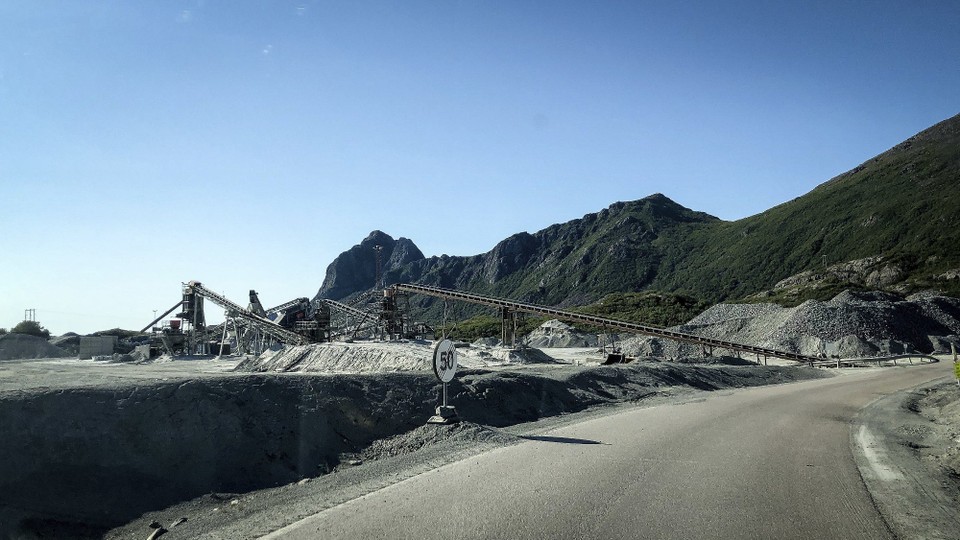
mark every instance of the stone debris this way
{"type": "Point", "coordinates": [852, 324]}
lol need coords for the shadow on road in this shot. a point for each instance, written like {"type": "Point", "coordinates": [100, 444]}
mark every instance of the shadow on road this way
{"type": "Point", "coordinates": [565, 440]}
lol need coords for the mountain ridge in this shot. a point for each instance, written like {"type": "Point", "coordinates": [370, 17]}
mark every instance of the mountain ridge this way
{"type": "Point", "coordinates": [900, 208]}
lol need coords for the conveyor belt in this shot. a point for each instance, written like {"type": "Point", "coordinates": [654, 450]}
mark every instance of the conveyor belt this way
{"type": "Point", "coordinates": [165, 313]}
{"type": "Point", "coordinates": [340, 306]}
{"type": "Point", "coordinates": [362, 316]}
{"type": "Point", "coordinates": [286, 305]}
{"type": "Point", "coordinates": [265, 325]}
{"type": "Point", "coordinates": [600, 321]}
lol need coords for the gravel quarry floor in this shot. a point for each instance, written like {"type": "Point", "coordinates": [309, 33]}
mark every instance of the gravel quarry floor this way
{"type": "Point", "coordinates": [102, 450]}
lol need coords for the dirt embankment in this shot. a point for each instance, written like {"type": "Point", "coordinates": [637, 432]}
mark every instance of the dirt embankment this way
{"type": "Point", "coordinates": [939, 445]}
{"type": "Point", "coordinates": [89, 459]}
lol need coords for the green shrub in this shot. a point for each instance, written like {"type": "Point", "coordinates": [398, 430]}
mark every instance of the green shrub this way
{"type": "Point", "coordinates": [31, 328]}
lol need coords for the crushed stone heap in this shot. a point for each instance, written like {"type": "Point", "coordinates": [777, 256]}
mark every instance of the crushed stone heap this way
{"type": "Point", "coordinates": [554, 333]}
{"type": "Point", "coordinates": [852, 324]}
{"type": "Point", "coordinates": [381, 357]}
{"type": "Point", "coordinates": [27, 347]}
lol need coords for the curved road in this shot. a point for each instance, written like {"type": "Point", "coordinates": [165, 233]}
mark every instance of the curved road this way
{"type": "Point", "coordinates": [768, 462]}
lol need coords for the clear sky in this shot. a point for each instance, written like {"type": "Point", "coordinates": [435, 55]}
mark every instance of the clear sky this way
{"type": "Point", "coordinates": [245, 144]}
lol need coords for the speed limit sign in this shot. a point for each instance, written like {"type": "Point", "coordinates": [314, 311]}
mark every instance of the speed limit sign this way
{"type": "Point", "coordinates": [445, 361]}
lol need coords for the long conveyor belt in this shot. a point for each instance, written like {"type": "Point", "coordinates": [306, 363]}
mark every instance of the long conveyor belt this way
{"type": "Point", "coordinates": [262, 323]}
{"type": "Point", "coordinates": [600, 321]}
{"type": "Point", "coordinates": [340, 306]}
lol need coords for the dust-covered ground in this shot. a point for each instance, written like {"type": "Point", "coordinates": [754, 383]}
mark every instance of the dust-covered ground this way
{"type": "Point", "coordinates": [909, 455]}
{"type": "Point", "coordinates": [92, 446]}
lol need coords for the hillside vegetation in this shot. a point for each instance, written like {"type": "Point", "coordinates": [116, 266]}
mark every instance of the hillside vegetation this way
{"type": "Point", "coordinates": [645, 308]}
{"type": "Point", "coordinates": [903, 205]}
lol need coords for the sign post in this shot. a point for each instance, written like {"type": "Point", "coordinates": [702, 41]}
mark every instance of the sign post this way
{"type": "Point", "coordinates": [956, 365]}
{"type": "Point", "coordinates": [444, 367]}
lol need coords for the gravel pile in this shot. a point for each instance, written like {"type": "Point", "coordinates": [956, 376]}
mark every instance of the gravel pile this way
{"type": "Point", "coordinates": [343, 358]}
{"type": "Point", "coordinates": [554, 333]}
{"type": "Point", "coordinates": [69, 342]}
{"type": "Point", "coordinates": [849, 325]}
{"type": "Point", "coordinates": [24, 347]}
{"type": "Point", "coordinates": [382, 357]}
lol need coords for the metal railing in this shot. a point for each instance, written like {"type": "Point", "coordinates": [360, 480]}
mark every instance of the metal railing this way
{"type": "Point", "coordinates": [878, 360]}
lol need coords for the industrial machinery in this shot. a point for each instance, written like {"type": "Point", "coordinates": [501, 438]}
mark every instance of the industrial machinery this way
{"type": "Point", "coordinates": [250, 330]}
{"type": "Point", "coordinates": [309, 319]}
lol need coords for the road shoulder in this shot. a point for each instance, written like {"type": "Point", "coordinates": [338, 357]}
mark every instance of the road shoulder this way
{"type": "Point", "coordinates": [894, 446]}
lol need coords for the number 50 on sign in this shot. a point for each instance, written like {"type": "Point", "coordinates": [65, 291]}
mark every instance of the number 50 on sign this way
{"type": "Point", "coordinates": [445, 361]}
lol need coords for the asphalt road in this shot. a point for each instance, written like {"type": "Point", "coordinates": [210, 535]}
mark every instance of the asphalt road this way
{"type": "Point", "coordinates": [768, 462]}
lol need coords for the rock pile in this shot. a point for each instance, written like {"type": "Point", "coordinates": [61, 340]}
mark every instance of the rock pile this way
{"type": "Point", "coordinates": [849, 325]}
{"type": "Point", "coordinates": [554, 333]}
{"type": "Point", "coordinates": [69, 342]}
{"type": "Point", "coordinates": [343, 358]}
{"type": "Point", "coordinates": [23, 346]}
{"type": "Point", "coordinates": [380, 357]}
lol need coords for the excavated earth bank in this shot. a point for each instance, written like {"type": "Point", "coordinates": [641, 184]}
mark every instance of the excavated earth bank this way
{"type": "Point", "coordinates": [80, 459]}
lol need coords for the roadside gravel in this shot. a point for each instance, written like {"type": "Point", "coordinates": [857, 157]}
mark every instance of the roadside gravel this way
{"type": "Point", "coordinates": [908, 452]}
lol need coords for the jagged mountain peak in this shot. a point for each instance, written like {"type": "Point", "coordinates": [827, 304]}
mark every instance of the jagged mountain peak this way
{"type": "Point", "coordinates": [356, 269]}
{"type": "Point", "coordinates": [545, 263]}
{"type": "Point", "coordinates": [377, 237]}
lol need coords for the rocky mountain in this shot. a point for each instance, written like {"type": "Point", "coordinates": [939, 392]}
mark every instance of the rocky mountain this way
{"type": "Point", "coordinates": [356, 269]}
{"type": "Point", "coordinates": [891, 223]}
{"type": "Point", "coordinates": [566, 263]}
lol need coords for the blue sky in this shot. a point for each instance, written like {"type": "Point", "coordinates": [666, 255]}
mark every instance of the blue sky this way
{"type": "Point", "coordinates": [245, 144]}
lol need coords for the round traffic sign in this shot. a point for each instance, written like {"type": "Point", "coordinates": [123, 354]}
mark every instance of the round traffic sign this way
{"type": "Point", "coordinates": [445, 360]}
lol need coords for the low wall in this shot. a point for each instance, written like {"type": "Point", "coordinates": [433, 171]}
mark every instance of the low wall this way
{"type": "Point", "coordinates": [96, 346]}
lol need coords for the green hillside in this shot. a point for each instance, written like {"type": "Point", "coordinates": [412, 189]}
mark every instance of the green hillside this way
{"type": "Point", "coordinates": [903, 205]}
